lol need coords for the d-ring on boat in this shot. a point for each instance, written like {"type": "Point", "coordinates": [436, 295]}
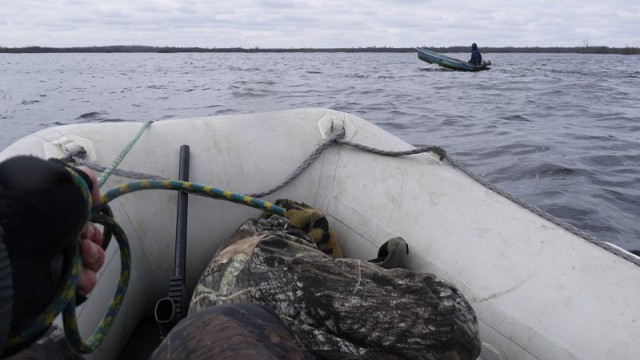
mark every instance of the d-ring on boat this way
{"type": "Point", "coordinates": [541, 290]}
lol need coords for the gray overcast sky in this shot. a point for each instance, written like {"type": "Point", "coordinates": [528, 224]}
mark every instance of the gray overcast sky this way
{"type": "Point", "coordinates": [319, 23]}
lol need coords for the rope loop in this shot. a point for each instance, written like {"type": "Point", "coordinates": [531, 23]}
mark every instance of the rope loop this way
{"type": "Point", "coordinates": [69, 314]}
{"type": "Point", "coordinates": [65, 298]}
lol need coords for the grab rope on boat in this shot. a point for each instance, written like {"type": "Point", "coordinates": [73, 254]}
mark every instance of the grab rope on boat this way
{"type": "Point", "coordinates": [534, 209]}
{"type": "Point", "coordinates": [442, 154]}
{"type": "Point", "coordinates": [156, 182]}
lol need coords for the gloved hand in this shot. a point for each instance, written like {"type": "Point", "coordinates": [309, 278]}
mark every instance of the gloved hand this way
{"type": "Point", "coordinates": [40, 211]}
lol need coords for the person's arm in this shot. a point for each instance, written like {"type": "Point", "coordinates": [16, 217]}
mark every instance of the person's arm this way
{"type": "Point", "coordinates": [40, 209]}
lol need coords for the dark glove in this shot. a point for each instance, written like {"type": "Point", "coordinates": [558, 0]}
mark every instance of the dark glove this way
{"type": "Point", "coordinates": [40, 211]}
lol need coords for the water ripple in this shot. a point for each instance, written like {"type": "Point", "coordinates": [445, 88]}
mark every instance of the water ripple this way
{"type": "Point", "coordinates": [563, 135]}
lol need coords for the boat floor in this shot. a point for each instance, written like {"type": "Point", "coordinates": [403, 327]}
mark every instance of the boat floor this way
{"type": "Point", "coordinates": [144, 340]}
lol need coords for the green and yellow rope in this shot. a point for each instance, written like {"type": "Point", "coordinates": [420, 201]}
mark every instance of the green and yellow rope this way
{"type": "Point", "coordinates": [191, 188]}
{"type": "Point", "coordinates": [65, 299]}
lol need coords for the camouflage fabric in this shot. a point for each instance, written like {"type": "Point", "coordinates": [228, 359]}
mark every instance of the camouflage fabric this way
{"type": "Point", "coordinates": [338, 307]}
{"type": "Point", "coordinates": [238, 331]}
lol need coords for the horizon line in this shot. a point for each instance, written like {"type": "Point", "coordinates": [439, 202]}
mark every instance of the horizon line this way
{"type": "Point", "coordinates": [457, 48]}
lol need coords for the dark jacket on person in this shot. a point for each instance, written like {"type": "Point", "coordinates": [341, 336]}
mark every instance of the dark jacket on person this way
{"type": "Point", "coordinates": [476, 57]}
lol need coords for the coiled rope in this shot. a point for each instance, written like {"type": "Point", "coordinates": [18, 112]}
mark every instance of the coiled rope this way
{"type": "Point", "coordinates": [65, 298]}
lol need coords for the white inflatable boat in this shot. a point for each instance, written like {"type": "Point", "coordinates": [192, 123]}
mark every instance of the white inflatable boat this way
{"type": "Point", "coordinates": [540, 291]}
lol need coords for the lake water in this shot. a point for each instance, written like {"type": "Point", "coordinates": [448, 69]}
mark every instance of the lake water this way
{"type": "Point", "coordinates": [560, 131]}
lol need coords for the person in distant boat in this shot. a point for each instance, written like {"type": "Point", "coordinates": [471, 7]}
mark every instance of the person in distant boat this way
{"type": "Point", "coordinates": [39, 207]}
{"type": "Point", "coordinates": [476, 57]}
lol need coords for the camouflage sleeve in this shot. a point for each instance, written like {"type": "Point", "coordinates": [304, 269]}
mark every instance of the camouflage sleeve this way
{"type": "Point", "coordinates": [340, 306]}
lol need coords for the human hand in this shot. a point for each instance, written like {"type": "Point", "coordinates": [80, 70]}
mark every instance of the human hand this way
{"type": "Point", "coordinates": [91, 243]}
{"type": "Point", "coordinates": [92, 258]}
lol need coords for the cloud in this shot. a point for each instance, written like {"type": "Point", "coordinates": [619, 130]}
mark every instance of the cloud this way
{"type": "Point", "coordinates": [318, 23]}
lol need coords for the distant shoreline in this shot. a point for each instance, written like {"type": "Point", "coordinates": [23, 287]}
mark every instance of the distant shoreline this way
{"type": "Point", "coordinates": [372, 49]}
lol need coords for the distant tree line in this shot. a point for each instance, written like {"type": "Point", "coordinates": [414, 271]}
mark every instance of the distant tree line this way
{"type": "Point", "coordinates": [370, 49]}
{"type": "Point", "coordinates": [546, 50]}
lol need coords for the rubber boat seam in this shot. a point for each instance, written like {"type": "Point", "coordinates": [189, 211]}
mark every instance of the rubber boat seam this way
{"type": "Point", "coordinates": [543, 214]}
{"type": "Point", "coordinates": [508, 337]}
